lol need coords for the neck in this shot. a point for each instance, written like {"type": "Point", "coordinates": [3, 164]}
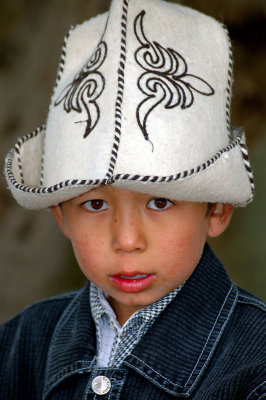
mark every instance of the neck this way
{"type": "Point", "coordinates": [123, 312]}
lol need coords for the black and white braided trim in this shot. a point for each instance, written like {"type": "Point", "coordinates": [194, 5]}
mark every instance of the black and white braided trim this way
{"type": "Point", "coordinates": [57, 80]}
{"type": "Point", "coordinates": [120, 90]}
{"type": "Point", "coordinates": [229, 83]}
{"type": "Point", "coordinates": [118, 177]}
{"type": "Point", "coordinates": [20, 142]}
{"type": "Point", "coordinates": [41, 176]}
{"type": "Point", "coordinates": [247, 165]}
{"type": "Point", "coordinates": [17, 148]}
{"type": "Point", "coordinates": [180, 175]}
{"type": "Point", "coordinates": [62, 61]}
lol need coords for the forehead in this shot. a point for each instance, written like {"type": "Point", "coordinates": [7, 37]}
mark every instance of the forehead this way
{"type": "Point", "coordinates": [108, 191]}
{"type": "Point", "coordinates": [112, 191]}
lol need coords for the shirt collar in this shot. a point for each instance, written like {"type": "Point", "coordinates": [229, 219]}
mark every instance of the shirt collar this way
{"type": "Point", "coordinates": [127, 336]}
{"type": "Point", "coordinates": [101, 307]}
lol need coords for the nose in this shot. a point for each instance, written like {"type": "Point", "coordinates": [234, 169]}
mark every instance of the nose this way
{"type": "Point", "coordinates": [128, 232]}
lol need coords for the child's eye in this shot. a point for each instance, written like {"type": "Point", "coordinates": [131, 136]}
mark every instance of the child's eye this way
{"type": "Point", "coordinates": [159, 203]}
{"type": "Point", "coordinates": [95, 205]}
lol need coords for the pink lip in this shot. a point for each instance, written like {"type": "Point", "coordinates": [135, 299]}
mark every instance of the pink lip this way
{"type": "Point", "coordinates": [132, 285]}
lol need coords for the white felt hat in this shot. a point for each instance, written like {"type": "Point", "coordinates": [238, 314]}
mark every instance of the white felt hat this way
{"type": "Point", "coordinates": [142, 102]}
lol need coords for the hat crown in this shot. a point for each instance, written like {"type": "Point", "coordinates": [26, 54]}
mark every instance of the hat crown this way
{"type": "Point", "coordinates": [155, 82]}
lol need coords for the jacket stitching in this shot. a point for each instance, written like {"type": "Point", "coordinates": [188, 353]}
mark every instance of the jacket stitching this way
{"type": "Point", "coordinates": [65, 316]}
{"type": "Point", "coordinates": [147, 365]}
{"type": "Point", "coordinates": [218, 336]}
{"type": "Point", "coordinates": [254, 390]}
{"type": "Point", "coordinates": [149, 377]}
{"type": "Point", "coordinates": [60, 376]}
{"type": "Point", "coordinates": [214, 345]}
{"type": "Point", "coordinates": [251, 301]}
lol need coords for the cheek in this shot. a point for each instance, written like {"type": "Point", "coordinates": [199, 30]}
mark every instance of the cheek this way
{"type": "Point", "coordinates": [89, 251]}
{"type": "Point", "coordinates": [178, 242]}
{"type": "Point", "coordinates": [181, 251]}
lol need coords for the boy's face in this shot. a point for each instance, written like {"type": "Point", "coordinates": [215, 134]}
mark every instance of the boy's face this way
{"type": "Point", "coordinates": [135, 247]}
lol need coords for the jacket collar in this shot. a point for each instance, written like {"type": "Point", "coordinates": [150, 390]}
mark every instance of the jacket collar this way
{"type": "Point", "coordinates": [176, 350]}
{"type": "Point", "coordinates": [73, 344]}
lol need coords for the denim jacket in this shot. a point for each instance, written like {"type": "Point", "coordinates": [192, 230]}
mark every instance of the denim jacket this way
{"type": "Point", "coordinates": [209, 343]}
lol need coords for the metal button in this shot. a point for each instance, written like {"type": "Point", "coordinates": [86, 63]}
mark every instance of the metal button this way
{"type": "Point", "coordinates": [101, 385]}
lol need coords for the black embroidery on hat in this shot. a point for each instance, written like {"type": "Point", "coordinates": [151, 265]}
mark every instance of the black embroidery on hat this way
{"type": "Point", "coordinates": [165, 80]}
{"type": "Point", "coordinates": [82, 93]}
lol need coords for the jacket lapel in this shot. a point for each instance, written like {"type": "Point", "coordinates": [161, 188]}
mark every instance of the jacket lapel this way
{"type": "Point", "coordinates": [177, 349]}
{"type": "Point", "coordinates": [72, 348]}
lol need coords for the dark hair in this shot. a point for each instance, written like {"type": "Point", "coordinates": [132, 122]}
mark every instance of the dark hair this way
{"type": "Point", "coordinates": [209, 207]}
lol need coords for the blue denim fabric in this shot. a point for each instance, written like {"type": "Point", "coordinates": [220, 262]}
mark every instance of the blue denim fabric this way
{"type": "Point", "coordinates": [208, 344]}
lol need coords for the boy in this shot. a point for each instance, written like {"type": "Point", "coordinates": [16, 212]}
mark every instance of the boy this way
{"type": "Point", "coordinates": [138, 165]}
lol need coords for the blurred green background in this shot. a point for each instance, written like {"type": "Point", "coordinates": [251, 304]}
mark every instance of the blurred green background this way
{"type": "Point", "coordinates": [35, 259]}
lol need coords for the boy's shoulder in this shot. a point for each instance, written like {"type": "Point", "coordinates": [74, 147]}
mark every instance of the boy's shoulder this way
{"type": "Point", "coordinates": [249, 317]}
{"type": "Point", "coordinates": [42, 315]}
{"type": "Point", "coordinates": [246, 298]}
{"type": "Point", "coordinates": [25, 341]}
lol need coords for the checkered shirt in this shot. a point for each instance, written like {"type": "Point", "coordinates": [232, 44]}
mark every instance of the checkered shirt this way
{"type": "Point", "coordinates": [115, 343]}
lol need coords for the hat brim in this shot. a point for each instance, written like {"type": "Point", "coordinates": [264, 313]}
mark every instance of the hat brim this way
{"type": "Point", "coordinates": [225, 177]}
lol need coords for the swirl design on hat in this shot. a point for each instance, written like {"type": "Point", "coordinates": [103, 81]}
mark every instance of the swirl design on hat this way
{"type": "Point", "coordinates": [165, 80]}
{"type": "Point", "coordinates": [81, 94]}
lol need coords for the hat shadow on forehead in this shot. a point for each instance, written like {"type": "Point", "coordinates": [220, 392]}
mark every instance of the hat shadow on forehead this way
{"type": "Point", "coordinates": [144, 105]}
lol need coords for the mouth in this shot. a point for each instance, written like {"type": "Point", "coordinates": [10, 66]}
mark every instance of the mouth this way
{"type": "Point", "coordinates": [137, 276]}
{"type": "Point", "coordinates": [132, 282]}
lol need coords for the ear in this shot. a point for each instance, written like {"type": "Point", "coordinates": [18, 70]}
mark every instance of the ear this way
{"type": "Point", "coordinates": [59, 216]}
{"type": "Point", "coordinates": [219, 218]}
